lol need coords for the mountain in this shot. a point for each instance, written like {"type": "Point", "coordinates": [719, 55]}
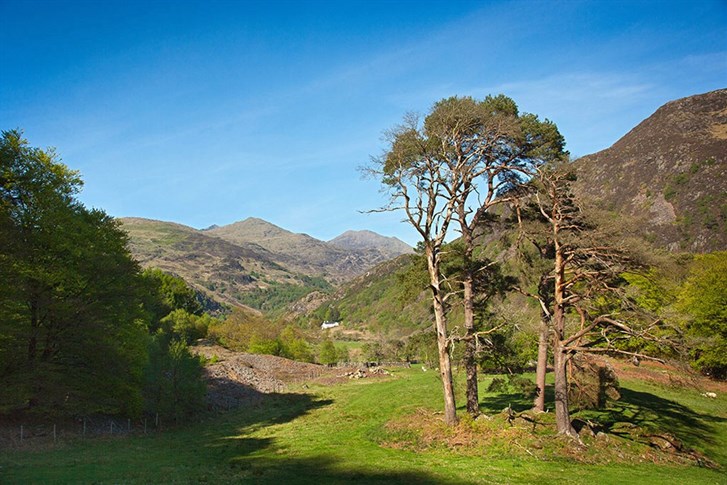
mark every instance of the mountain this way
{"type": "Point", "coordinates": [391, 247]}
{"type": "Point", "coordinates": [301, 252]}
{"type": "Point", "coordinates": [249, 263]}
{"type": "Point", "coordinates": [211, 265]}
{"type": "Point", "coordinates": [670, 172]}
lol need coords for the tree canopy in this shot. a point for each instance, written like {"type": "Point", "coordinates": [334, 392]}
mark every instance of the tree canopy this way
{"type": "Point", "coordinates": [72, 334]}
{"type": "Point", "coordinates": [82, 330]}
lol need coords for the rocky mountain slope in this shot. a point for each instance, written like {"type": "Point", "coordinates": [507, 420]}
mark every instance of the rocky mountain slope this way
{"type": "Point", "coordinates": [670, 172]}
{"type": "Point", "coordinates": [303, 253]}
{"type": "Point", "coordinates": [390, 247]}
{"type": "Point", "coordinates": [211, 265]}
{"type": "Point", "coordinates": [251, 262]}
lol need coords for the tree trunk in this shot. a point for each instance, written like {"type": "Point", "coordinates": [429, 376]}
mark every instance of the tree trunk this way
{"type": "Point", "coordinates": [562, 415]}
{"type": "Point", "coordinates": [33, 337]}
{"type": "Point", "coordinates": [440, 325]}
{"type": "Point", "coordinates": [470, 350]}
{"type": "Point", "coordinates": [542, 366]}
{"type": "Point", "coordinates": [445, 365]}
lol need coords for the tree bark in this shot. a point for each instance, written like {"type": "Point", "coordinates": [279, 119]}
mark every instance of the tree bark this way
{"type": "Point", "coordinates": [445, 365]}
{"type": "Point", "coordinates": [470, 349]}
{"type": "Point", "coordinates": [560, 358]}
{"type": "Point", "coordinates": [542, 366]}
{"type": "Point", "coordinates": [440, 325]}
{"type": "Point", "coordinates": [562, 414]}
{"type": "Point", "coordinates": [33, 337]}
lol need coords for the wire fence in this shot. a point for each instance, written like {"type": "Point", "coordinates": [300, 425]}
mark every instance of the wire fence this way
{"type": "Point", "coordinates": [34, 433]}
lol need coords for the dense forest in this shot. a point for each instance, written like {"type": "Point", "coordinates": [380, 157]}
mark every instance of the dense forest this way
{"type": "Point", "coordinates": [83, 329]}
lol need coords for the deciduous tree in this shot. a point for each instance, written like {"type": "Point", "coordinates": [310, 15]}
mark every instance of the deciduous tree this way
{"type": "Point", "coordinates": [72, 335]}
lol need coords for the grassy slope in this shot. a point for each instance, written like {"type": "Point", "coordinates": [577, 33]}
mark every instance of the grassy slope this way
{"type": "Point", "coordinates": [381, 302]}
{"type": "Point", "coordinates": [333, 436]}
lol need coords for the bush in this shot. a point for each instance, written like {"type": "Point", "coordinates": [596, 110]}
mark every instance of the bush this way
{"type": "Point", "coordinates": [513, 383]}
{"type": "Point", "coordinates": [174, 387]}
{"type": "Point", "coordinates": [327, 353]}
{"type": "Point", "coordinates": [703, 301]}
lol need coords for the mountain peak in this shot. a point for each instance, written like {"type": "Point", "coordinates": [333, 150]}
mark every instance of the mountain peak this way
{"type": "Point", "coordinates": [367, 240]}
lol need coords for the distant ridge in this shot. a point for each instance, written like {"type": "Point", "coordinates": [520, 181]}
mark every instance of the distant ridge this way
{"type": "Point", "coordinates": [389, 246]}
{"type": "Point", "coordinates": [253, 255]}
{"type": "Point", "coordinates": [303, 253]}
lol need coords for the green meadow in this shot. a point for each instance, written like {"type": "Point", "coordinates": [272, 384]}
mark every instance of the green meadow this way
{"type": "Point", "coordinates": [379, 431]}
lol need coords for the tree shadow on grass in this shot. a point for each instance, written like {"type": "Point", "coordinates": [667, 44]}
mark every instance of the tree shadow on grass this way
{"type": "Point", "coordinates": [656, 414]}
{"type": "Point", "coordinates": [651, 413]}
{"type": "Point", "coordinates": [240, 457]}
{"type": "Point", "coordinates": [517, 401]}
{"type": "Point", "coordinates": [324, 470]}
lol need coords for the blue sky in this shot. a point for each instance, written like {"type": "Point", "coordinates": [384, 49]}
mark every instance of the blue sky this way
{"type": "Point", "coordinates": [211, 112]}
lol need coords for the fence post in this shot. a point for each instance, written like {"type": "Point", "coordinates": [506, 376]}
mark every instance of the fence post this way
{"type": "Point", "coordinates": [128, 424]}
{"type": "Point", "coordinates": [21, 433]}
{"type": "Point", "coordinates": [54, 433]}
{"type": "Point", "coordinates": [144, 425]}
{"type": "Point", "coordinates": [84, 426]}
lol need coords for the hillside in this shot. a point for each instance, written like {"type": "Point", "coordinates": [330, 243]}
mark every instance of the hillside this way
{"type": "Point", "coordinates": [670, 172]}
{"type": "Point", "coordinates": [249, 263]}
{"type": "Point", "coordinates": [216, 267]}
{"type": "Point", "coordinates": [387, 300]}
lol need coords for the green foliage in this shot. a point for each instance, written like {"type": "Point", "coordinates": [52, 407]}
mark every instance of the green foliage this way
{"type": "Point", "coordinates": [261, 345]}
{"type": "Point", "coordinates": [372, 352]}
{"type": "Point", "coordinates": [166, 293]}
{"type": "Point", "coordinates": [648, 290]}
{"type": "Point", "coordinates": [278, 295]}
{"type": "Point", "coordinates": [72, 337]}
{"type": "Point", "coordinates": [240, 328]}
{"type": "Point", "coordinates": [513, 383]}
{"type": "Point", "coordinates": [294, 346]}
{"type": "Point", "coordinates": [173, 384]}
{"type": "Point", "coordinates": [249, 332]}
{"type": "Point", "coordinates": [422, 347]}
{"type": "Point", "coordinates": [76, 313]}
{"type": "Point", "coordinates": [332, 314]}
{"type": "Point", "coordinates": [327, 353]}
{"type": "Point", "coordinates": [505, 350]}
{"type": "Point", "coordinates": [184, 326]}
{"type": "Point", "coordinates": [703, 299]}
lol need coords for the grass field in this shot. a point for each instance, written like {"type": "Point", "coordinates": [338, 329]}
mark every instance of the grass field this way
{"type": "Point", "coordinates": [344, 433]}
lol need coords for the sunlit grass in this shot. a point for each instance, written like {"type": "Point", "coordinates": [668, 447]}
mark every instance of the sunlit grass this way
{"type": "Point", "coordinates": [344, 433]}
